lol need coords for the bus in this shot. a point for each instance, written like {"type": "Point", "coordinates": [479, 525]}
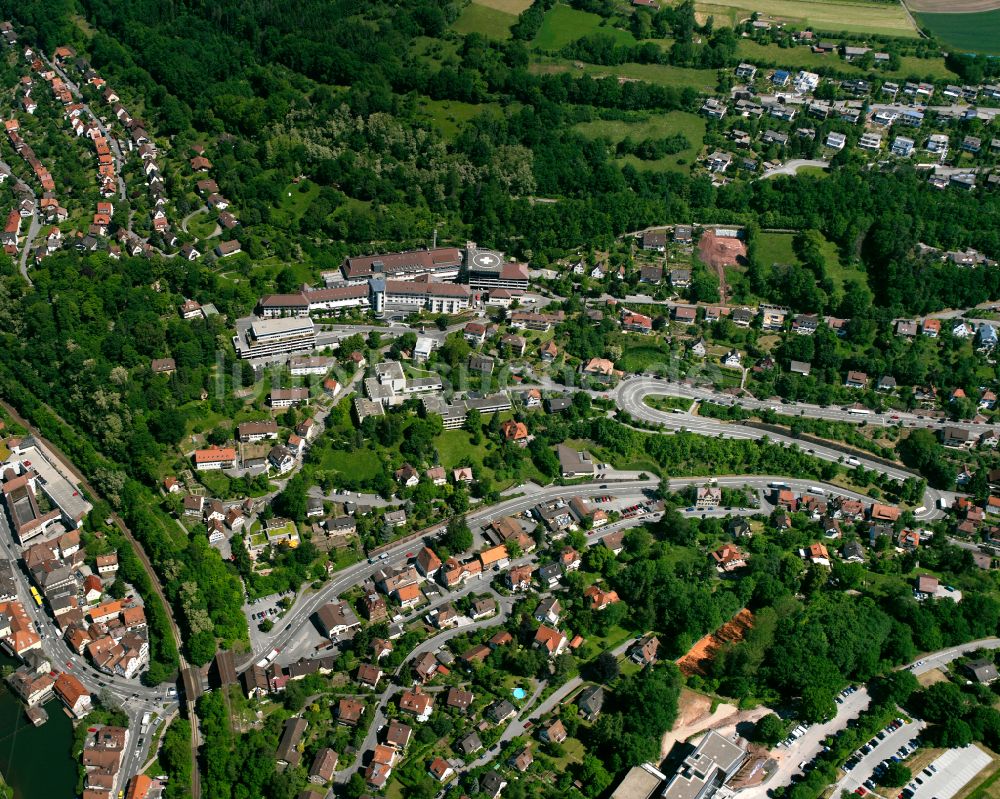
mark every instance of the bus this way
{"type": "Point", "coordinates": [859, 411]}
{"type": "Point", "coordinates": [37, 596]}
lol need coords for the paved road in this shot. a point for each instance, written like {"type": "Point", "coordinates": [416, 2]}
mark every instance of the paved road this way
{"type": "Point", "coordinates": [946, 656]}
{"type": "Point", "coordinates": [504, 607]}
{"type": "Point", "coordinates": [33, 226]}
{"type": "Point", "coordinates": [307, 603]}
{"type": "Point", "coordinates": [630, 396]}
{"type": "Point", "coordinates": [793, 166]}
{"type": "Point", "coordinates": [112, 141]}
{"type": "Point", "coordinates": [133, 697]}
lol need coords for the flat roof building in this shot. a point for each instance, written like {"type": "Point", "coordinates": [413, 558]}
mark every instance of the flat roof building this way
{"type": "Point", "coordinates": [713, 763]}
{"type": "Point", "coordinates": [268, 338]}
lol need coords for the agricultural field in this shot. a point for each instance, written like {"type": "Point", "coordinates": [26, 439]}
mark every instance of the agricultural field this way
{"type": "Point", "coordinates": [563, 25]}
{"type": "Point", "coordinates": [702, 80]}
{"type": "Point", "coordinates": [969, 33]}
{"type": "Point", "coordinates": [655, 127]}
{"type": "Point", "coordinates": [805, 58]}
{"type": "Point", "coordinates": [855, 16]}
{"type": "Point", "coordinates": [485, 19]}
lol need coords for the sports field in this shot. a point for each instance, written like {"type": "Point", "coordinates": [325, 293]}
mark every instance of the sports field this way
{"type": "Point", "coordinates": [856, 16]}
{"type": "Point", "coordinates": [967, 33]}
{"type": "Point", "coordinates": [563, 25]}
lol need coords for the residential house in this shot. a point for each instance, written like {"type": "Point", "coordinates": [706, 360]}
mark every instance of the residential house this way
{"type": "Point", "coordinates": [550, 641]}
{"type": "Point", "coordinates": [644, 650]}
{"type": "Point", "coordinates": [590, 701]}
{"type": "Point", "coordinates": [417, 703]}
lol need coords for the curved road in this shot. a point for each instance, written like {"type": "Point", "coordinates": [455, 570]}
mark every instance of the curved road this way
{"type": "Point", "coordinates": [793, 166]}
{"type": "Point", "coordinates": [630, 396]}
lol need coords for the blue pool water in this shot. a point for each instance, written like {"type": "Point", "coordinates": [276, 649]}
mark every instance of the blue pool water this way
{"type": "Point", "coordinates": [519, 693]}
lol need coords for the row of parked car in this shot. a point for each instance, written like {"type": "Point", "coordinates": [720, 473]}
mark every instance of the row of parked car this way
{"type": "Point", "coordinates": [901, 754]}
{"type": "Point", "coordinates": [916, 782]}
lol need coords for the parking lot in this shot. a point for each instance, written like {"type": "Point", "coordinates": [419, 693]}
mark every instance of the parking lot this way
{"type": "Point", "coordinates": [882, 750]}
{"type": "Point", "coordinates": [259, 610]}
{"type": "Point", "coordinates": [955, 769]}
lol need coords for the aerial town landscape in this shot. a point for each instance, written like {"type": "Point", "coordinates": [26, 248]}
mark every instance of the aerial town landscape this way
{"type": "Point", "coordinates": [476, 398]}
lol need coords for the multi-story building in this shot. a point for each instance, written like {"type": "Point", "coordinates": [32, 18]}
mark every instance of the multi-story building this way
{"type": "Point", "coordinates": [417, 295]}
{"type": "Point", "coordinates": [270, 338]}
{"type": "Point", "coordinates": [488, 270]}
{"type": "Point", "coordinates": [441, 263]}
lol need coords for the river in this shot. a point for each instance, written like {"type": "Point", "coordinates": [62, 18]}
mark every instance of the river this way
{"type": "Point", "coordinates": [35, 761]}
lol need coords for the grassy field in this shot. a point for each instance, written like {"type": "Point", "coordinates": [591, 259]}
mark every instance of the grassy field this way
{"type": "Point", "coordinates": [857, 16]}
{"type": "Point", "coordinates": [203, 225]}
{"type": "Point", "coordinates": [776, 248]}
{"type": "Point", "coordinates": [563, 25]}
{"type": "Point", "coordinates": [654, 127]}
{"type": "Point", "coordinates": [362, 464]}
{"type": "Point", "coordinates": [664, 403]}
{"type": "Point", "coordinates": [805, 58]}
{"type": "Point", "coordinates": [295, 200]}
{"type": "Point", "coordinates": [702, 80]}
{"type": "Point", "coordinates": [969, 33]}
{"type": "Point", "coordinates": [641, 357]}
{"type": "Point", "coordinates": [487, 20]}
{"type": "Point", "coordinates": [515, 7]}
{"type": "Point", "coordinates": [448, 116]}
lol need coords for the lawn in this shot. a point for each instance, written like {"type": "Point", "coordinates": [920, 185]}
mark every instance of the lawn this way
{"type": "Point", "coordinates": [295, 200]}
{"type": "Point", "coordinates": [202, 225]}
{"type": "Point", "coordinates": [362, 464]}
{"type": "Point", "coordinates": [455, 445]}
{"type": "Point", "coordinates": [702, 80]}
{"type": "Point", "coordinates": [966, 32]}
{"type": "Point", "coordinates": [641, 357]}
{"type": "Point", "coordinates": [805, 58]}
{"type": "Point", "coordinates": [563, 25]}
{"type": "Point", "coordinates": [488, 21]}
{"type": "Point", "coordinates": [776, 248]}
{"type": "Point", "coordinates": [448, 116]}
{"type": "Point", "coordinates": [858, 16]}
{"type": "Point", "coordinates": [573, 752]}
{"type": "Point", "coordinates": [657, 126]}
{"type": "Point", "coordinates": [665, 403]}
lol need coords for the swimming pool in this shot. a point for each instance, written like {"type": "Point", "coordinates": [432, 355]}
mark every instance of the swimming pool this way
{"type": "Point", "coordinates": [519, 693]}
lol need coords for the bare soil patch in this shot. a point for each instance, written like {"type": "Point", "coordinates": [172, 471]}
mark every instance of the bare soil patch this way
{"type": "Point", "coordinates": [697, 660]}
{"type": "Point", "coordinates": [931, 677]}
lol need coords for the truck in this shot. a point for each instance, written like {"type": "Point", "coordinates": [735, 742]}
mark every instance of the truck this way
{"type": "Point", "coordinates": [943, 503]}
{"type": "Point", "coordinates": [265, 661]}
